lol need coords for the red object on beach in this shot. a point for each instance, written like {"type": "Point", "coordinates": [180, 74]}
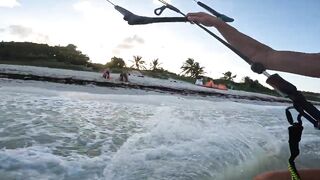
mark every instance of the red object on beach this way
{"type": "Point", "coordinates": [211, 84]}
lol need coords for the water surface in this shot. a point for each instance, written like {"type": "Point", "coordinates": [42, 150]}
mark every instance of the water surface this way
{"type": "Point", "coordinates": [48, 134]}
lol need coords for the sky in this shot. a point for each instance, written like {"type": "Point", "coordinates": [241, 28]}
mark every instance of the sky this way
{"type": "Point", "coordinates": [100, 32]}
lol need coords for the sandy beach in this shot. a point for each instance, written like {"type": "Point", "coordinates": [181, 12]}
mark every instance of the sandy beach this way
{"type": "Point", "coordinates": [29, 74]}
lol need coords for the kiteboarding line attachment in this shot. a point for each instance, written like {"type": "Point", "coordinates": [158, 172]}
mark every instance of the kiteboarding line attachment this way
{"type": "Point", "coordinates": [134, 19]}
{"type": "Point", "coordinates": [295, 133]}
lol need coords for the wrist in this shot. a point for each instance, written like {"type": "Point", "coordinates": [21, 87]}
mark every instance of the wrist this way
{"type": "Point", "coordinates": [218, 23]}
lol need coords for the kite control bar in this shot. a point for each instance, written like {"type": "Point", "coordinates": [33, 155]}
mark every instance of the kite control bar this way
{"type": "Point", "coordinates": [134, 19]}
{"type": "Point", "coordinates": [215, 13]}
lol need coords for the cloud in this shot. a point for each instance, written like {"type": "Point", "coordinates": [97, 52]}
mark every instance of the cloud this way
{"type": "Point", "coordinates": [20, 31]}
{"type": "Point", "coordinates": [26, 33]}
{"type": "Point", "coordinates": [133, 39]}
{"type": "Point", "coordinates": [2, 29]}
{"type": "Point", "coordinates": [125, 46]}
{"type": "Point", "coordinates": [9, 3]}
{"type": "Point", "coordinates": [128, 43]}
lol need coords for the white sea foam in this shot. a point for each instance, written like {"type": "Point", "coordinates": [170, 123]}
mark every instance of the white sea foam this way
{"type": "Point", "coordinates": [50, 134]}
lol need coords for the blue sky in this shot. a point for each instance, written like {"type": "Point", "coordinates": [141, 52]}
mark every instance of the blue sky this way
{"type": "Point", "coordinates": [99, 31]}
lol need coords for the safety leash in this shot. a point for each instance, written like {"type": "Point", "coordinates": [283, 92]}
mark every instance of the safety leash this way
{"type": "Point", "coordinates": [295, 133]}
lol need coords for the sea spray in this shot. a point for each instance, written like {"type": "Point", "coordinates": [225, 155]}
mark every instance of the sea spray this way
{"type": "Point", "coordinates": [48, 134]}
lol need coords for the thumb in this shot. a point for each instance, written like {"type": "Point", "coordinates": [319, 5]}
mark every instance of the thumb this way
{"type": "Point", "coordinates": [193, 18]}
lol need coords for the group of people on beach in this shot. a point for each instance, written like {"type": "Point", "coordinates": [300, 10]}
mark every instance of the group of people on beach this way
{"type": "Point", "coordinates": [123, 75]}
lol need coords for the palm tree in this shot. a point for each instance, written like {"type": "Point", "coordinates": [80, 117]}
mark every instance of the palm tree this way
{"type": "Point", "coordinates": [155, 65]}
{"type": "Point", "coordinates": [187, 66]}
{"type": "Point", "coordinates": [138, 62]}
{"type": "Point", "coordinates": [247, 80]}
{"type": "Point", "coordinates": [228, 76]}
{"type": "Point", "coordinates": [192, 68]}
{"type": "Point", "coordinates": [197, 70]}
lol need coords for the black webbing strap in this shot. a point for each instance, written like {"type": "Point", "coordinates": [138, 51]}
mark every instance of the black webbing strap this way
{"type": "Point", "coordinates": [295, 133]}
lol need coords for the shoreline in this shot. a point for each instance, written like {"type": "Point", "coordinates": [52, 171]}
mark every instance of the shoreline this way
{"type": "Point", "coordinates": [29, 73]}
{"type": "Point", "coordinates": [160, 89]}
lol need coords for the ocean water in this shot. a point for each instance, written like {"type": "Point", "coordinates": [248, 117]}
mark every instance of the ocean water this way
{"type": "Point", "coordinates": [48, 134]}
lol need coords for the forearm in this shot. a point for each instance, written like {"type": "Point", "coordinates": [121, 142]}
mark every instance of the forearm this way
{"type": "Point", "coordinates": [250, 47]}
{"type": "Point", "coordinates": [294, 62]}
{"type": "Point", "coordinates": [310, 174]}
{"type": "Point", "coordinates": [307, 64]}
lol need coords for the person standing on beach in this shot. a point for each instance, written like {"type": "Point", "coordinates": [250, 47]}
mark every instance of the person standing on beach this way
{"type": "Point", "coordinates": [106, 74]}
{"type": "Point", "coordinates": [307, 64]}
{"type": "Point", "coordinates": [124, 76]}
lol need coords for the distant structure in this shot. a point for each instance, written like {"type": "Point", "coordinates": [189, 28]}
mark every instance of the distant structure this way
{"type": "Point", "coordinates": [199, 81]}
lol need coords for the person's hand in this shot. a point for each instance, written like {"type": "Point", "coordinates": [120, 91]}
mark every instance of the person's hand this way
{"type": "Point", "coordinates": [203, 18]}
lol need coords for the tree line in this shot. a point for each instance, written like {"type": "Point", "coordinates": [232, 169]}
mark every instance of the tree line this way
{"type": "Point", "coordinates": [26, 51]}
{"type": "Point", "coordinates": [192, 70]}
{"type": "Point", "coordinates": [68, 57]}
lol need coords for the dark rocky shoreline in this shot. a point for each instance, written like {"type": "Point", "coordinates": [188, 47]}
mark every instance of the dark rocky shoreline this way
{"type": "Point", "coordinates": [161, 89]}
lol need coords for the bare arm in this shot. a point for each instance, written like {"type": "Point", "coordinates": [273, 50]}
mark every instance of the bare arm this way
{"type": "Point", "coordinates": [294, 62]}
{"type": "Point", "coordinates": [310, 174]}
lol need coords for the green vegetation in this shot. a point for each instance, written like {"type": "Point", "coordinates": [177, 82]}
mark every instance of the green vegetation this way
{"type": "Point", "coordinates": [247, 84]}
{"type": "Point", "coordinates": [312, 96]}
{"type": "Point", "coordinates": [192, 68]}
{"type": "Point", "coordinates": [115, 63]}
{"type": "Point", "coordinates": [164, 74]}
{"type": "Point", "coordinates": [155, 65]}
{"type": "Point", "coordinates": [138, 63]}
{"type": "Point", "coordinates": [228, 76]}
{"type": "Point", "coordinates": [26, 53]}
{"type": "Point", "coordinates": [68, 57]}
